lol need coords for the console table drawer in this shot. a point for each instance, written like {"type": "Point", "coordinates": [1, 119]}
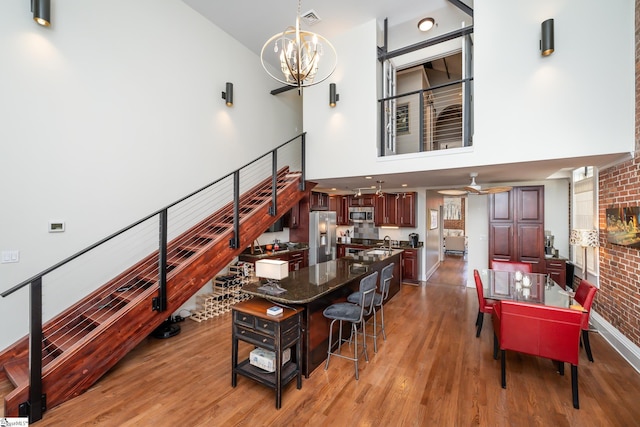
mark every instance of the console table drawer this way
{"type": "Point", "coordinates": [256, 338]}
{"type": "Point", "coordinates": [244, 319]}
{"type": "Point", "coordinates": [265, 326]}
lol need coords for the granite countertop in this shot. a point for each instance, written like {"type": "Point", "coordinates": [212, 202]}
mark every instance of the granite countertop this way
{"type": "Point", "coordinates": [396, 244]}
{"type": "Point", "coordinates": [308, 284]}
{"type": "Point", "coordinates": [268, 254]}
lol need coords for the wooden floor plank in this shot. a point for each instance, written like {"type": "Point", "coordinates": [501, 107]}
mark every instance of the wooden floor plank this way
{"type": "Point", "coordinates": [431, 370]}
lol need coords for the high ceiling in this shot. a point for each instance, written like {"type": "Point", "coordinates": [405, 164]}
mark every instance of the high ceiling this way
{"type": "Point", "coordinates": [252, 22]}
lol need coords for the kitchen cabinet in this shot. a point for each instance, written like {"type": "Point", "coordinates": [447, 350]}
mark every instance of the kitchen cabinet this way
{"type": "Point", "coordinates": [516, 226]}
{"type": "Point", "coordinates": [410, 265]}
{"type": "Point", "coordinates": [407, 209]}
{"type": "Point", "coordinates": [557, 269]}
{"type": "Point", "coordinates": [319, 201]}
{"type": "Point", "coordinates": [340, 205]}
{"type": "Point", "coordinates": [340, 251]}
{"type": "Point", "coordinates": [364, 200]}
{"type": "Point", "coordinates": [386, 210]}
{"type": "Point", "coordinates": [298, 260]}
{"type": "Point", "coordinates": [294, 216]}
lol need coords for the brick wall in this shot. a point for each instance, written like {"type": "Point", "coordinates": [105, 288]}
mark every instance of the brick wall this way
{"type": "Point", "coordinates": [618, 299]}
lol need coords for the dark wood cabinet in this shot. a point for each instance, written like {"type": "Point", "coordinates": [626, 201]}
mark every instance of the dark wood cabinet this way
{"type": "Point", "coordinates": [516, 226]}
{"type": "Point", "coordinates": [298, 260]}
{"type": "Point", "coordinates": [340, 205]}
{"type": "Point", "coordinates": [340, 251]}
{"type": "Point", "coordinates": [364, 200]}
{"type": "Point", "coordinates": [407, 210]}
{"type": "Point", "coordinates": [294, 216]}
{"type": "Point", "coordinates": [395, 210]}
{"type": "Point", "coordinates": [557, 269]}
{"type": "Point", "coordinates": [386, 210]}
{"type": "Point", "coordinates": [410, 265]}
{"type": "Point", "coordinates": [319, 201]}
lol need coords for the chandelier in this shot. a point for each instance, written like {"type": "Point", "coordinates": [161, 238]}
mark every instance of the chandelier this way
{"type": "Point", "coordinates": [298, 54]}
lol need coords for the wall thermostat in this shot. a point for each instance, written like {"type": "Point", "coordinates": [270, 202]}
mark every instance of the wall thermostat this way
{"type": "Point", "coordinates": [56, 226]}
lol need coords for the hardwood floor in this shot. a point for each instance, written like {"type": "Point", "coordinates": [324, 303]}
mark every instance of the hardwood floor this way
{"type": "Point", "coordinates": [431, 370]}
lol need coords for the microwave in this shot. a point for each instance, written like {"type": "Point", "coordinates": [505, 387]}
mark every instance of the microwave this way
{"type": "Point", "coordinates": [361, 214]}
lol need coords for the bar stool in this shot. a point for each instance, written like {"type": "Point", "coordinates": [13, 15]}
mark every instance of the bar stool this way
{"type": "Point", "coordinates": [378, 300]}
{"type": "Point", "coordinates": [353, 313]}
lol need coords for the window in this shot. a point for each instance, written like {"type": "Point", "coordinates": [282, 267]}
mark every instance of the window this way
{"type": "Point", "coordinates": [585, 186]}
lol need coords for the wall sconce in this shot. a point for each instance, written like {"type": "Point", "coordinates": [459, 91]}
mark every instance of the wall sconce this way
{"type": "Point", "coordinates": [426, 24]}
{"type": "Point", "coordinates": [546, 44]}
{"type": "Point", "coordinates": [228, 95]}
{"type": "Point", "coordinates": [333, 96]}
{"type": "Point", "coordinates": [41, 12]}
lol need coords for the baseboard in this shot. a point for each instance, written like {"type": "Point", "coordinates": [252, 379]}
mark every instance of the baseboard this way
{"type": "Point", "coordinates": [619, 342]}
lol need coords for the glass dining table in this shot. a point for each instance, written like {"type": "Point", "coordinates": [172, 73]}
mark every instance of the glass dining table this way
{"type": "Point", "coordinates": [532, 288]}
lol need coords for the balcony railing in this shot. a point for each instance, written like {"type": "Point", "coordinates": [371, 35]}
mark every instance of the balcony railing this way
{"type": "Point", "coordinates": [435, 118]}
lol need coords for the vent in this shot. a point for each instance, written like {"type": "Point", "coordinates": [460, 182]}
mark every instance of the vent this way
{"type": "Point", "coordinates": [310, 17]}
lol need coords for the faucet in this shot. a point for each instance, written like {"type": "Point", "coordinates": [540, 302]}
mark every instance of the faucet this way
{"type": "Point", "coordinates": [387, 238]}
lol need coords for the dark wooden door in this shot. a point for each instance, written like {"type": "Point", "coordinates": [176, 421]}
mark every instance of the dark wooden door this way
{"type": "Point", "coordinates": [516, 226]}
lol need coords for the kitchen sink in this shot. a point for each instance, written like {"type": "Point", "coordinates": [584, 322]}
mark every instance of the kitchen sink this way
{"type": "Point", "coordinates": [381, 252]}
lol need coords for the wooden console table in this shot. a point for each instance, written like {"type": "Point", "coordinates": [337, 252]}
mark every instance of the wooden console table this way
{"type": "Point", "coordinates": [253, 325]}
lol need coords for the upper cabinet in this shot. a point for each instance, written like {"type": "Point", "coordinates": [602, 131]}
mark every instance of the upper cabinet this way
{"type": "Point", "coordinates": [395, 210]}
{"type": "Point", "coordinates": [407, 210]}
{"type": "Point", "coordinates": [318, 201]}
{"type": "Point", "coordinates": [340, 205]}
{"type": "Point", "coordinates": [362, 200]}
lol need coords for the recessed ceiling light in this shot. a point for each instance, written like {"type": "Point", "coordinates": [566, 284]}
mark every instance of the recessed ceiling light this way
{"type": "Point", "coordinates": [373, 186]}
{"type": "Point", "coordinates": [334, 189]}
{"type": "Point", "coordinates": [404, 185]}
{"type": "Point", "coordinates": [426, 24]}
{"type": "Point", "coordinates": [368, 177]}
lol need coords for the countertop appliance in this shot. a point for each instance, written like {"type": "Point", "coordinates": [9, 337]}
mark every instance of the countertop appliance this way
{"type": "Point", "coordinates": [413, 240]}
{"type": "Point", "coordinates": [322, 237]}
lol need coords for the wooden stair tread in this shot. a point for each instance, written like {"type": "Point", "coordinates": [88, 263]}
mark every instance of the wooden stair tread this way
{"type": "Point", "coordinates": [17, 372]}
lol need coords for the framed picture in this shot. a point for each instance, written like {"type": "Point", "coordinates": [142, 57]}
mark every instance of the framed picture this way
{"type": "Point", "coordinates": [433, 219]}
{"type": "Point", "coordinates": [402, 118]}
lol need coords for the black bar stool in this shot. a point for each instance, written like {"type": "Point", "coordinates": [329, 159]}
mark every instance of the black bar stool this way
{"type": "Point", "coordinates": [353, 313]}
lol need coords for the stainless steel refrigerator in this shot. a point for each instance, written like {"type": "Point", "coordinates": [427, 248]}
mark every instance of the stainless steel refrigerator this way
{"type": "Point", "coordinates": [322, 237]}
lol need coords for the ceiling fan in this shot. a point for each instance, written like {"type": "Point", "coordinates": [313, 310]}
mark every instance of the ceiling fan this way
{"type": "Point", "coordinates": [474, 188]}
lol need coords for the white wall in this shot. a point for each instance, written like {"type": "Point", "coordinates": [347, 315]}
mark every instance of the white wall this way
{"type": "Point", "coordinates": [112, 113]}
{"type": "Point", "coordinates": [526, 106]}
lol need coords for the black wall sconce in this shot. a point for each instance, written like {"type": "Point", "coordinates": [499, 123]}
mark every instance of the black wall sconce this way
{"type": "Point", "coordinates": [41, 12]}
{"type": "Point", "coordinates": [333, 96]}
{"type": "Point", "coordinates": [546, 44]}
{"type": "Point", "coordinates": [228, 95]}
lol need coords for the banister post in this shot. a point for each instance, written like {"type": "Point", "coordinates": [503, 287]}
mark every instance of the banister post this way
{"type": "Point", "coordinates": [160, 303]}
{"type": "Point", "coordinates": [273, 210]}
{"type": "Point", "coordinates": [37, 401]}
{"type": "Point", "coordinates": [234, 242]}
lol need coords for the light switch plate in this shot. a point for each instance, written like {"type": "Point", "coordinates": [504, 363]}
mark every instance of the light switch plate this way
{"type": "Point", "coordinates": [10, 256]}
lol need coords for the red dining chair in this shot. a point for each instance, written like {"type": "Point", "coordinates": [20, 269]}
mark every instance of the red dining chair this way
{"type": "Point", "coordinates": [500, 265]}
{"type": "Point", "coordinates": [584, 296]}
{"type": "Point", "coordinates": [538, 330]}
{"type": "Point", "coordinates": [484, 305]}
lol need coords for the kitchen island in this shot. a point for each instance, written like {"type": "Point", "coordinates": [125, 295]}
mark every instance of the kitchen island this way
{"type": "Point", "coordinates": [316, 287]}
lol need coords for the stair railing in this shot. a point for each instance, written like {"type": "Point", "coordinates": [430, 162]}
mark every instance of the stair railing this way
{"type": "Point", "coordinates": [185, 211]}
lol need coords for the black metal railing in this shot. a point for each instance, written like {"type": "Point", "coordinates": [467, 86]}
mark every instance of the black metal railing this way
{"type": "Point", "coordinates": [434, 118]}
{"type": "Point", "coordinates": [136, 241]}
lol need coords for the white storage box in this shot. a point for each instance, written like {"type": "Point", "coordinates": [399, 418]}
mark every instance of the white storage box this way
{"type": "Point", "coordinates": [265, 359]}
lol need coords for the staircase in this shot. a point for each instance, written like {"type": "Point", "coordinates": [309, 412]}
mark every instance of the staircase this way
{"type": "Point", "coordinates": [82, 343]}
